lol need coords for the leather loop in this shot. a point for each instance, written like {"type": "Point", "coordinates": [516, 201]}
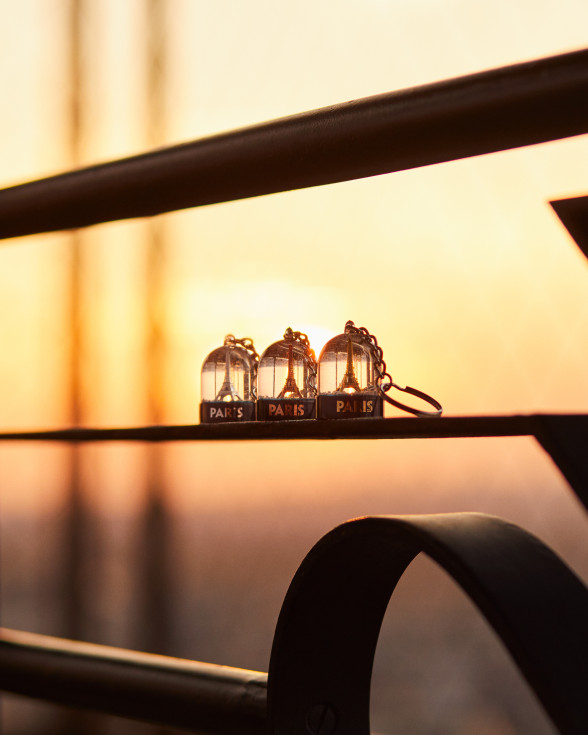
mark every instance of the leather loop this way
{"type": "Point", "coordinates": [414, 392]}
{"type": "Point", "coordinates": [327, 631]}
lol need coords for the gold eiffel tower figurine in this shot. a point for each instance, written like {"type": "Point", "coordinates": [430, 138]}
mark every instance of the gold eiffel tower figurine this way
{"type": "Point", "coordinates": [349, 383]}
{"type": "Point", "coordinates": [227, 391]}
{"type": "Point", "coordinates": [290, 389]}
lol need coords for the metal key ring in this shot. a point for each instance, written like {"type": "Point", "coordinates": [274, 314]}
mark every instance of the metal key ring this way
{"type": "Point", "coordinates": [414, 392]}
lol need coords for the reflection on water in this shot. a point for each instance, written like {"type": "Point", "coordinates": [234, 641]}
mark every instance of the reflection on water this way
{"type": "Point", "coordinates": [235, 535]}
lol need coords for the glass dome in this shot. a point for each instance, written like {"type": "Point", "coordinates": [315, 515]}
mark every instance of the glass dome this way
{"type": "Point", "coordinates": [228, 382]}
{"type": "Point", "coordinates": [347, 377]}
{"type": "Point", "coordinates": [286, 381]}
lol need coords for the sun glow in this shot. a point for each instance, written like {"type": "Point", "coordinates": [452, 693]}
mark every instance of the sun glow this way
{"type": "Point", "coordinates": [318, 336]}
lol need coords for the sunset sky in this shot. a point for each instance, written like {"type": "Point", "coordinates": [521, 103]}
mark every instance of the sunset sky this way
{"type": "Point", "coordinates": [474, 289]}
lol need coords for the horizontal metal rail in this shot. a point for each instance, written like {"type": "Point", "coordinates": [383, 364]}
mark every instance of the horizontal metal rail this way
{"type": "Point", "coordinates": [368, 428]}
{"type": "Point", "coordinates": [495, 110]}
{"type": "Point", "coordinates": [563, 436]}
{"type": "Point", "coordinates": [203, 698]}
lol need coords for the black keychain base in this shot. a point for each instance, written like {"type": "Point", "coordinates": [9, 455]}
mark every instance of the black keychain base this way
{"type": "Point", "coordinates": [343, 406]}
{"type": "Point", "coordinates": [285, 409]}
{"type": "Point", "coordinates": [219, 412]}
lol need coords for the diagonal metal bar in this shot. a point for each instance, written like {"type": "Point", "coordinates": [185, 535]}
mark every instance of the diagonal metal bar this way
{"type": "Point", "coordinates": [328, 627]}
{"type": "Point", "coordinates": [204, 698]}
{"type": "Point", "coordinates": [495, 110]}
{"type": "Point", "coordinates": [573, 213]}
{"type": "Point", "coordinates": [565, 439]}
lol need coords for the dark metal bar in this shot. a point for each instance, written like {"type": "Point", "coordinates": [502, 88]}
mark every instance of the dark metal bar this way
{"type": "Point", "coordinates": [574, 215]}
{"type": "Point", "coordinates": [77, 515]}
{"type": "Point", "coordinates": [495, 110]}
{"type": "Point", "coordinates": [369, 428]}
{"type": "Point", "coordinates": [154, 535]}
{"type": "Point", "coordinates": [565, 439]}
{"type": "Point", "coordinates": [563, 436]}
{"type": "Point", "coordinates": [199, 697]}
{"type": "Point", "coordinates": [327, 631]}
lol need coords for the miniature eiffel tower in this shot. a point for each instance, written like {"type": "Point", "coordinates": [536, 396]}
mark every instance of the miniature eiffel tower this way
{"type": "Point", "coordinates": [349, 383]}
{"type": "Point", "coordinates": [227, 390]}
{"type": "Point", "coordinates": [290, 389]}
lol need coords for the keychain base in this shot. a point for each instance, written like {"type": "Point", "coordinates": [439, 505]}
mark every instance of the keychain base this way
{"type": "Point", "coordinates": [343, 406]}
{"type": "Point", "coordinates": [220, 412]}
{"type": "Point", "coordinates": [285, 409]}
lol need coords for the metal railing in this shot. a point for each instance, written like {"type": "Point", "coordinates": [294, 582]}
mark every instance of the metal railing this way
{"type": "Point", "coordinates": [562, 436]}
{"type": "Point", "coordinates": [156, 689]}
{"type": "Point", "coordinates": [326, 636]}
{"type": "Point", "coordinates": [315, 683]}
{"type": "Point", "coordinates": [481, 113]}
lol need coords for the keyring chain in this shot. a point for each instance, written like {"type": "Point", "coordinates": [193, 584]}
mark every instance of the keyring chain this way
{"type": "Point", "coordinates": [311, 364]}
{"type": "Point", "coordinates": [378, 354]}
{"type": "Point", "coordinates": [247, 344]}
{"type": "Point", "coordinates": [381, 374]}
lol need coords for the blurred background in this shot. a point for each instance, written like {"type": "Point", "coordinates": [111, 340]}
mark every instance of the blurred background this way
{"type": "Point", "coordinates": [474, 289]}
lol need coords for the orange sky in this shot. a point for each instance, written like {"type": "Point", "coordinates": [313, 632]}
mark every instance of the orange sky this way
{"type": "Point", "coordinates": [473, 288]}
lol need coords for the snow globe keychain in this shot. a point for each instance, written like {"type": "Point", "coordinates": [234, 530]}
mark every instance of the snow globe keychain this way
{"type": "Point", "coordinates": [286, 379]}
{"type": "Point", "coordinates": [353, 381]}
{"type": "Point", "coordinates": [228, 382]}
